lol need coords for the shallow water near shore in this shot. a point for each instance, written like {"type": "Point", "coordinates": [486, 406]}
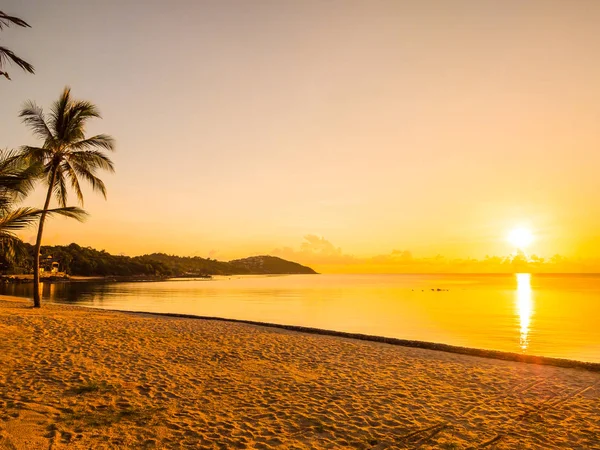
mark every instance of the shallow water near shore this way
{"type": "Point", "coordinates": [548, 315]}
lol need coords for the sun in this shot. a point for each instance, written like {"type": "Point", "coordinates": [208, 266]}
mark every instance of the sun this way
{"type": "Point", "coordinates": [521, 238]}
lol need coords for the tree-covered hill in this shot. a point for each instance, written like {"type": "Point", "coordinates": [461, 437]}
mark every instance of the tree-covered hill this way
{"type": "Point", "coordinates": [268, 264]}
{"type": "Point", "coordinates": [86, 261]}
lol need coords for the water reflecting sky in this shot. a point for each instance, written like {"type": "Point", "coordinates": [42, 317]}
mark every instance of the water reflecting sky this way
{"type": "Point", "coordinates": [524, 296]}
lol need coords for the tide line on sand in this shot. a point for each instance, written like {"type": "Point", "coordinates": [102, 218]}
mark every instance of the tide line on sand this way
{"type": "Point", "coordinates": [471, 351]}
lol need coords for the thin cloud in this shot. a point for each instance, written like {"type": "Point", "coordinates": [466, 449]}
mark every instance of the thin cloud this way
{"type": "Point", "coordinates": [319, 252]}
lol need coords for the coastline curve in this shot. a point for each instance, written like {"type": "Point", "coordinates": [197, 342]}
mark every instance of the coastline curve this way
{"type": "Point", "coordinates": [469, 351]}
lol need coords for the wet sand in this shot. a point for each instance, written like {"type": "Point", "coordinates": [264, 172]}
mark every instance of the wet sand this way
{"type": "Point", "coordinates": [76, 378]}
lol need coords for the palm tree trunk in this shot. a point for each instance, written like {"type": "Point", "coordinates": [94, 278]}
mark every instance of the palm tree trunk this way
{"type": "Point", "coordinates": [37, 298]}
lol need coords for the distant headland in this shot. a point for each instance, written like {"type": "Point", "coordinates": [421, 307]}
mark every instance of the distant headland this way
{"type": "Point", "coordinates": [73, 260]}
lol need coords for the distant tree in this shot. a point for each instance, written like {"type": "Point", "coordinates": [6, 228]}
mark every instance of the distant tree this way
{"type": "Point", "coordinates": [6, 55]}
{"type": "Point", "coordinates": [66, 156]}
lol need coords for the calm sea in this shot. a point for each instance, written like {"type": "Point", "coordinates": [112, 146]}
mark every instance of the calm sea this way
{"type": "Point", "coordinates": [550, 315]}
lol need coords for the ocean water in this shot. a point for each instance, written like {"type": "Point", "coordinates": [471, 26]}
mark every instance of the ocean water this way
{"type": "Point", "coordinates": [549, 315]}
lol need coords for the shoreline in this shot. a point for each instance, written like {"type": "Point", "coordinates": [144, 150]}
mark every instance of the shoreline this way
{"type": "Point", "coordinates": [411, 343]}
{"type": "Point", "coordinates": [79, 378]}
{"type": "Point", "coordinates": [427, 345]}
{"type": "Point", "coordinates": [28, 279]}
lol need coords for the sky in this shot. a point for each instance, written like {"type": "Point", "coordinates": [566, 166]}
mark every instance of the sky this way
{"type": "Point", "coordinates": [325, 127]}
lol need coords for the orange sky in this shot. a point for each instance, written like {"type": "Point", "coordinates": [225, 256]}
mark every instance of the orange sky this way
{"type": "Point", "coordinates": [428, 126]}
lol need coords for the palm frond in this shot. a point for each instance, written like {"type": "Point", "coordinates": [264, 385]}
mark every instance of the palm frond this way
{"type": "Point", "coordinates": [72, 212]}
{"type": "Point", "coordinates": [92, 158]}
{"type": "Point", "coordinates": [8, 157]}
{"type": "Point", "coordinates": [16, 175]}
{"type": "Point", "coordinates": [60, 187]}
{"type": "Point", "coordinates": [99, 141]}
{"type": "Point", "coordinates": [33, 117]}
{"type": "Point", "coordinates": [87, 173]}
{"type": "Point", "coordinates": [58, 113]}
{"type": "Point", "coordinates": [11, 247]}
{"type": "Point", "coordinates": [7, 21]}
{"type": "Point", "coordinates": [6, 203]}
{"type": "Point", "coordinates": [77, 114]}
{"type": "Point", "coordinates": [74, 181]}
{"type": "Point", "coordinates": [35, 154]}
{"type": "Point", "coordinates": [19, 218]}
{"type": "Point", "coordinates": [7, 56]}
{"type": "Point", "coordinates": [11, 177]}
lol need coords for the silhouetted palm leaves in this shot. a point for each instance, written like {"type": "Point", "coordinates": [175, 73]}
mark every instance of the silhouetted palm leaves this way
{"type": "Point", "coordinates": [7, 55]}
{"type": "Point", "coordinates": [66, 156]}
{"type": "Point", "coordinates": [16, 180]}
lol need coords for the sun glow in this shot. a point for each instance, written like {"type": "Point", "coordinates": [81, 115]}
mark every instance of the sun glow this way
{"type": "Point", "coordinates": [521, 238]}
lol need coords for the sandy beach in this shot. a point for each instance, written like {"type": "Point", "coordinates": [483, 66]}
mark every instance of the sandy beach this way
{"type": "Point", "coordinates": [77, 378]}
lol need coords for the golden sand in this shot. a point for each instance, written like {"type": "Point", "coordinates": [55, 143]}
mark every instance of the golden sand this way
{"type": "Point", "coordinates": [77, 378]}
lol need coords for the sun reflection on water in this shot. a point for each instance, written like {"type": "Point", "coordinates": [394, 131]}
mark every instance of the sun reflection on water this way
{"type": "Point", "coordinates": [524, 306]}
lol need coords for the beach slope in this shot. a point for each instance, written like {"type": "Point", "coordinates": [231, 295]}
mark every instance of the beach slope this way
{"type": "Point", "coordinates": [78, 378]}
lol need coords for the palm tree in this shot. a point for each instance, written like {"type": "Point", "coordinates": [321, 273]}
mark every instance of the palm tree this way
{"type": "Point", "coordinates": [16, 180]}
{"type": "Point", "coordinates": [65, 156]}
{"type": "Point", "coordinates": [6, 55]}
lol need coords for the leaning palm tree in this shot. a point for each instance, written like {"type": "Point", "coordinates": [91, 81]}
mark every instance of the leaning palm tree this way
{"type": "Point", "coordinates": [66, 156]}
{"type": "Point", "coordinates": [6, 55]}
{"type": "Point", "coordinates": [16, 181]}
